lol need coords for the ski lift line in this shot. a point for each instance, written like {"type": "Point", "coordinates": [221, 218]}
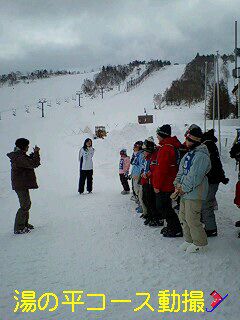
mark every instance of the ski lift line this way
{"type": "Point", "coordinates": [37, 105]}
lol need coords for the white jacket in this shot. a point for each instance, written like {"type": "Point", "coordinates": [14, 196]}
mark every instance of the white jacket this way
{"type": "Point", "coordinates": [85, 158]}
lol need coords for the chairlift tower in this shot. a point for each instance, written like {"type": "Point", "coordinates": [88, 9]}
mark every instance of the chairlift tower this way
{"type": "Point", "coordinates": [78, 93]}
{"type": "Point", "coordinates": [42, 102]}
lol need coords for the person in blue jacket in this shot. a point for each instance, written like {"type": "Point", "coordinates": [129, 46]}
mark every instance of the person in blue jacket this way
{"type": "Point", "coordinates": [137, 167]}
{"type": "Point", "coordinates": [191, 184]}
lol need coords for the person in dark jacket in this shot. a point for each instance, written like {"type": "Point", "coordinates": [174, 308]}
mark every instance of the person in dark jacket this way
{"type": "Point", "coordinates": [134, 196]}
{"type": "Point", "coordinates": [215, 176]}
{"type": "Point", "coordinates": [23, 178]}
{"type": "Point", "coordinates": [149, 198]}
{"type": "Point", "coordinates": [235, 154]}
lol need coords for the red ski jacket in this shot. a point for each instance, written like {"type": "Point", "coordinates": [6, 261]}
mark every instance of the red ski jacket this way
{"type": "Point", "coordinates": [164, 169]}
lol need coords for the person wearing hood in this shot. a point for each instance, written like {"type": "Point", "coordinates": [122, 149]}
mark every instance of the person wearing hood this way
{"type": "Point", "coordinates": [191, 184]}
{"type": "Point", "coordinates": [86, 166]}
{"type": "Point", "coordinates": [163, 174]}
{"type": "Point", "coordinates": [23, 179]}
{"type": "Point", "coordinates": [215, 176]}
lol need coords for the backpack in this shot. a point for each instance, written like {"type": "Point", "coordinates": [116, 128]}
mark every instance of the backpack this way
{"type": "Point", "coordinates": [177, 153]}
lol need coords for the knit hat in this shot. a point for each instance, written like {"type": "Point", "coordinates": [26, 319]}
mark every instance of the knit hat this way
{"type": "Point", "coordinates": [138, 144]}
{"type": "Point", "coordinates": [123, 151]}
{"type": "Point", "coordinates": [150, 139]}
{"type": "Point", "coordinates": [190, 128]}
{"type": "Point", "coordinates": [148, 146]}
{"type": "Point", "coordinates": [195, 135]}
{"type": "Point", "coordinates": [22, 143]}
{"type": "Point", "coordinates": [164, 131]}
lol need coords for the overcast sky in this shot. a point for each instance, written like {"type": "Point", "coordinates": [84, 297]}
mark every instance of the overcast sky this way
{"type": "Point", "coordinates": [83, 34]}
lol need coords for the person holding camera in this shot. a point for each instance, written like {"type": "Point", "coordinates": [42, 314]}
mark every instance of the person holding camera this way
{"type": "Point", "coordinates": [23, 179]}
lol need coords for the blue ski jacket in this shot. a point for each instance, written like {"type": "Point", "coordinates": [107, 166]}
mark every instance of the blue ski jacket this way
{"type": "Point", "coordinates": [137, 164]}
{"type": "Point", "coordinates": [192, 174]}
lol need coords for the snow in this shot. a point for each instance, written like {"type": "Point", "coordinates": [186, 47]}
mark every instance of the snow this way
{"type": "Point", "coordinates": [97, 243]}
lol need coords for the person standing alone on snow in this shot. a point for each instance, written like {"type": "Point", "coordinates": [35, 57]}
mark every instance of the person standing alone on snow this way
{"type": "Point", "coordinates": [86, 166]}
{"type": "Point", "coordinates": [23, 178]}
{"type": "Point", "coordinates": [124, 165]}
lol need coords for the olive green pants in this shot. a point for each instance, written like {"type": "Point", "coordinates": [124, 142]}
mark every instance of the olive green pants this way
{"type": "Point", "coordinates": [190, 219]}
{"type": "Point", "coordinates": [22, 216]}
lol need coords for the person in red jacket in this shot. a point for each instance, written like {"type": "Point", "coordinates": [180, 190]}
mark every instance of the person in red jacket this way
{"type": "Point", "coordinates": [164, 172]}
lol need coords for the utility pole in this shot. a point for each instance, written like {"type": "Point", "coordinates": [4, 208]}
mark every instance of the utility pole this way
{"type": "Point", "coordinates": [236, 67]}
{"type": "Point", "coordinates": [218, 104]}
{"type": "Point", "coordinates": [42, 101]}
{"type": "Point", "coordinates": [214, 91]}
{"type": "Point", "coordinates": [78, 93]}
{"type": "Point", "coordinates": [236, 71]}
{"type": "Point", "coordinates": [205, 107]}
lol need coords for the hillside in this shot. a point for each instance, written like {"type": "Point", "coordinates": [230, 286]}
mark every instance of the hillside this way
{"type": "Point", "coordinates": [97, 243]}
{"type": "Point", "coordinates": [190, 88]}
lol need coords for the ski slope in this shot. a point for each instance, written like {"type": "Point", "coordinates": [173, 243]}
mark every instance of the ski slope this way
{"type": "Point", "coordinates": [97, 243]}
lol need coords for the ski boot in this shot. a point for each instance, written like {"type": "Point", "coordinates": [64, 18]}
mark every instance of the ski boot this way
{"type": "Point", "coordinates": [22, 231]}
{"type": "Point", "coordinates": [195, 249]}
{"type": "Point", "coordinates": [237, 224]}
{"type": "Point", "coordinates": [139, 209]}
{"type": "Point", "coordinates": [211, 233]}
{"type": "Point", "coordinates": [173, 233]}
{"type": "Point", "coordinates": [124, 192]}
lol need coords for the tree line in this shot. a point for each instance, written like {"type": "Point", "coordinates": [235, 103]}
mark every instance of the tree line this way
{"type": "Point", "coordinates": [111, 76]}
{"type": "Point", "coordinates": [14, 78]}
{"type": "Point", "coordinates": [190, 88]}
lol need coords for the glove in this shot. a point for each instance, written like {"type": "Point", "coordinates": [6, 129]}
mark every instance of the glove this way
{"type": "Point", "coordinates": [174, 196]}
{"type": "Point", "coordinates": [225, 181]}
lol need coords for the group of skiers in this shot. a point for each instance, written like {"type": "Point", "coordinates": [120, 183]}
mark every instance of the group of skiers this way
{"type": "Point", "coordinates": [173, 184]}
{"type": "Point", "coordinates": [176, 183]}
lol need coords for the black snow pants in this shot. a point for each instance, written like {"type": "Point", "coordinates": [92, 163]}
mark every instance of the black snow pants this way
{"type": "Point", "coordinates": [165, 210]}
{"type": "Point", "coordinates": [124, 181]}
{"type": "Point", "coordinates": [85, 174]}
{"type": "Point", "coordinates": [149, 199]}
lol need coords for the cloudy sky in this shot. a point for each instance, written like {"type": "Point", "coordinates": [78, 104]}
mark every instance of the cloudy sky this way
{"type": "Point", "coordinates": [83, 34]}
